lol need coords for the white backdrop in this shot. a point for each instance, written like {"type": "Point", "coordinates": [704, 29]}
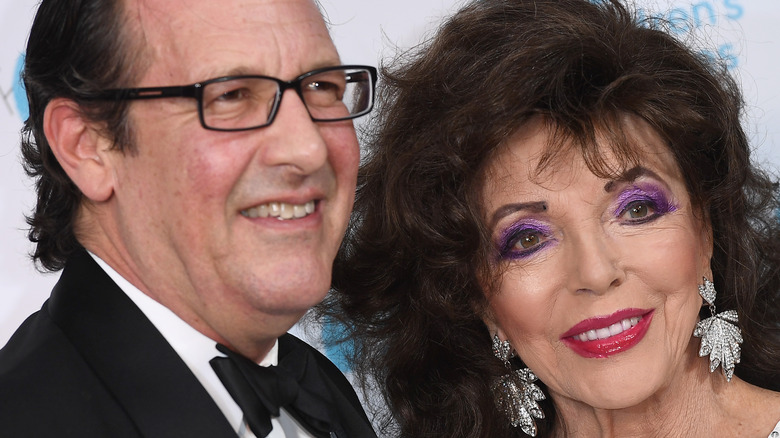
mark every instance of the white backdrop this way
{"type": "Point", "coordinates": [744, 32]}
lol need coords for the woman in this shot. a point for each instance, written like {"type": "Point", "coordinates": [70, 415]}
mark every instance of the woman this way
{"type": "Point", "coordinates": [557, 191]}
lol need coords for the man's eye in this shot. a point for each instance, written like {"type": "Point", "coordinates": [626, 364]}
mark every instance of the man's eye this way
{"type": "Point", "coordinates": [321, 86]}
{"type": "Point", "coordinates": [322, 92]}
{"type": "Point", "coordinates": [236, 94]}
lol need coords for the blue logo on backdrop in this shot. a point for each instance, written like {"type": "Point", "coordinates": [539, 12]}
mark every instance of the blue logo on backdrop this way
{"type": "Point", "coordinates": [696, 15]}
{"type": "Point", "coordinates": [14, 98]}
{"type": "Point", "coordinates": [337, 349]}
{"type": "Point", "coordinates": [689, 17]}
{"type": "Point", "coordinates": [20, 95]}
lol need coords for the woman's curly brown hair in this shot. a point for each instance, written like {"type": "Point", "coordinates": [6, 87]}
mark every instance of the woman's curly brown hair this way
{"type": "Point", "coordinates": [409, 281]}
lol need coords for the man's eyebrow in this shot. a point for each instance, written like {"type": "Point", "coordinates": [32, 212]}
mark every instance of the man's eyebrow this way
{"type": "Point", "coordinates": [629, 175]}
{"type": "Point", "coordinates": [507, 209]}
{"type": "Point", "coordinates": [240, 70]}
{"type": "Point", "coordinates": [247, 71]}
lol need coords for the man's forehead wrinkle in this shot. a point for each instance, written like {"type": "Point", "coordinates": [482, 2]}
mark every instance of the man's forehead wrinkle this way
{"type": "Point", "coordinates": [155, 15]}
{"type": "Point", "coordinates": [148, 15]}
{"type": "Point", "coordinates": [250, 14]}
{"type": "Point", "coordinates": [187, 25]}
{"type": "Point", "coordinates": [142, 54]}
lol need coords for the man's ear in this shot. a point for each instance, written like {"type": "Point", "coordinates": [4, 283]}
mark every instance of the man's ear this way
{"type": "Point", "coordinates": [80, 148]}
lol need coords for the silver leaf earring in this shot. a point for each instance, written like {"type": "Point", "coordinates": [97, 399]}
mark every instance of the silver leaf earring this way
{"type": "Point", "coordinates": [720, 335]}
{"type": "Point", "coordinates": [515, 393]}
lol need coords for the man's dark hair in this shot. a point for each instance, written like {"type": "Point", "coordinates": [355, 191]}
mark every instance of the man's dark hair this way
{"type": "Point", "coordinates": [76, 48]}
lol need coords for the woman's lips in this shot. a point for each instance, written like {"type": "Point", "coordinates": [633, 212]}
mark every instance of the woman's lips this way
{"type": "Point", "coordinates": [604, 336]}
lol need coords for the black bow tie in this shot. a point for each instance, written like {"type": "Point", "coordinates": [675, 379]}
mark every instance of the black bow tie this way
{"type": "Point", "coordinates": [294, 385]}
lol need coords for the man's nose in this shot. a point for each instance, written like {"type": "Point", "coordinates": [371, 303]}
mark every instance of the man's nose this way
{"type": "Point", "coordinates": [295, 139]}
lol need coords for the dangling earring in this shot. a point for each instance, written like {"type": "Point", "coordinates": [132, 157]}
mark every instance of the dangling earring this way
{"type": "Point", "coordinates": [720, 335]}
{"type": "Point", "coordinates": [515, 393]}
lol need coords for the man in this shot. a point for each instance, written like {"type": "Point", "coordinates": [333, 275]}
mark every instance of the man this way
{"type": "Point", "coordinates": [185, 216]}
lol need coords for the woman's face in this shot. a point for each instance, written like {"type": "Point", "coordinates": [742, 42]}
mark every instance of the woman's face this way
{"type": "Point", "coordinates": [598, 288]}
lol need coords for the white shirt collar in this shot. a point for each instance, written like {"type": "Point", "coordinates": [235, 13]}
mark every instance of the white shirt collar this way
{"type": "Point", "coordinates": [195, 349]}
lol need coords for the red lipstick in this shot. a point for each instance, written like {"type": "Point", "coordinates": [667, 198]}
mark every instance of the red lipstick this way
{"type": "Point", "coordinates": [600, 343]}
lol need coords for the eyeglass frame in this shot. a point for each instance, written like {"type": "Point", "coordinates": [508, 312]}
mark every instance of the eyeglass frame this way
{"type": "Point", "coordinates": [195, 91]}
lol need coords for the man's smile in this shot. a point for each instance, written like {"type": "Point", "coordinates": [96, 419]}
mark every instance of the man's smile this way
{"type": "Point", "coordinates": [280, 210]}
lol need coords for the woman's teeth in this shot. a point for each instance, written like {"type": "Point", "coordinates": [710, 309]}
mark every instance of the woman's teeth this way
{"type": "Point", "coordinates": [606, 332]}
{"type": "Point", "coordinates": [280, 210]}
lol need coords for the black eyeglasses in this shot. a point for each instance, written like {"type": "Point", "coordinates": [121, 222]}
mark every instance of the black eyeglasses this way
{"type": "Point", "coordinates": [240, 103]}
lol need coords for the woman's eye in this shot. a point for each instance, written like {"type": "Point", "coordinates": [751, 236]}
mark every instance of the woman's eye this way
{"type": "Point", "coordinates": [639, 210]}
{"type": "Point", "coordinates": [524, 239]}
{"type": "Point", "coordinates": [524, 243]}
{"type": "Point", "coordinates": [528, 240]}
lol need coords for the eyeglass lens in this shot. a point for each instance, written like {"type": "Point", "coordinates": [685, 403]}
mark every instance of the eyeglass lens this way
{"type": "Point", "coordinates": [240, 103]}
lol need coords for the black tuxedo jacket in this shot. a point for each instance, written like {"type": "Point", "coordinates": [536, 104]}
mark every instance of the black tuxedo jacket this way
{"type": "Point", "coordinates": [90, 364]}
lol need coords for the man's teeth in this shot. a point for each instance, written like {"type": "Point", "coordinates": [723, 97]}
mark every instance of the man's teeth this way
{"type": "Point", "coordinates": [605, 332]}
{"type": "Point", "coordinates": [280, 210]}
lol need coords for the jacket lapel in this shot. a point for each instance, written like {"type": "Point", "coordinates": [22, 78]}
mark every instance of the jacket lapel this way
{"type": "Point", "coordinates": [147, 377]}
{"type": "Point", "coordinates": [350, 420]}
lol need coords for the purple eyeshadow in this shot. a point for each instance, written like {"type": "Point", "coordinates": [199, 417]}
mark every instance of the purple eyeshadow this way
{"type": "Point", "coordinates": [645, 192]}
{"type": "Point", "coordinates": [509, 238]}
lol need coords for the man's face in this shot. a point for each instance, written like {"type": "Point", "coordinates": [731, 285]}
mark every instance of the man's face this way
{"type": "Point", "coordinates": [184, 200]}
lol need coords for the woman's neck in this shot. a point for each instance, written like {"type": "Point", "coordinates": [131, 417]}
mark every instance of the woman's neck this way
{"type": "Point", "coordinates": [695, 403]}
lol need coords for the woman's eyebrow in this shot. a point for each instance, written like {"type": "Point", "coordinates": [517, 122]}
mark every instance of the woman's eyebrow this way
{"type": "Point", "coordinates": [507, 209]}
{"type": "Point", "coordinates": [629, 175]}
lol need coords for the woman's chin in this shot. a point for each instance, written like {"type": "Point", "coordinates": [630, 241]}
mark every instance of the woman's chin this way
{"type": "Point", "coordinates": [617, 388]}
